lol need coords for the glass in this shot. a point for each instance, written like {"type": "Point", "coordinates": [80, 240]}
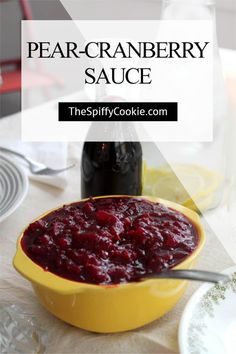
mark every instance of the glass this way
{"type": "Point", "coordinates": [19, 332]}
{"type": "Point", "coordinates": [210, 155]}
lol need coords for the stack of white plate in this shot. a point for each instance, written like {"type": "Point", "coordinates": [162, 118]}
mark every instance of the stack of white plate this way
{"type": "Point", "coordinates": [13, 187]}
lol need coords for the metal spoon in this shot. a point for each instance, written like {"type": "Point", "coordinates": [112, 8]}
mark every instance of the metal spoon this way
{"type": "Point", "coordinates": [190, 274]}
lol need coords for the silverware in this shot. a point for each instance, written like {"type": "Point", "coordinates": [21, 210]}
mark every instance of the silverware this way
{"type": "Point", "coordinates": [35, 167]}
{"type": "Point", "coordinates": [190, 274]}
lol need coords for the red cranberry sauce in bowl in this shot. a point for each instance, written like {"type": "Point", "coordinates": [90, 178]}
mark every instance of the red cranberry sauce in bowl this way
{"type": "Point", "coordinates": [110, 240]}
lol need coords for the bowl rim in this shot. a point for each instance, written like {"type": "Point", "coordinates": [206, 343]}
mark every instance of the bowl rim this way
{"type": "Point", "coordinates": [37, 275]}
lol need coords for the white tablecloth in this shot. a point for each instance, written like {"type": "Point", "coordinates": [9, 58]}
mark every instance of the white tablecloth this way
{"type": "Point", "coordinates": [158, 337]}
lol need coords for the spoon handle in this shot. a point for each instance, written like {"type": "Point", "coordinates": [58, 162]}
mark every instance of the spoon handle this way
{"type": "Point", "coordinates": [188, 274]}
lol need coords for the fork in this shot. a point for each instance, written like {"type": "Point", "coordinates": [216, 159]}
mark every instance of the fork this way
{"type": "Point", "coordinates": [37, 168]}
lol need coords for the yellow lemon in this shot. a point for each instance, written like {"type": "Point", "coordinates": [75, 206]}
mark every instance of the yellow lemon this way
{"type": "Point", "coordinates": [190, 185]}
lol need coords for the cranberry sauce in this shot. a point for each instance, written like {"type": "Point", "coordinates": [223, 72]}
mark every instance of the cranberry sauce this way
{"type": "Point", "coordinates": [110, 240]}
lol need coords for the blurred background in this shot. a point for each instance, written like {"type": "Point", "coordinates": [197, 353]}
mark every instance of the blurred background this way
{"type": "Point", "coordinates": [12, 11]}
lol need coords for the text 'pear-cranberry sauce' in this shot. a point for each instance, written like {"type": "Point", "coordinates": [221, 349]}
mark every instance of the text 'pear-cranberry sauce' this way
{"type": "Point", "coordinates": [110, 240]}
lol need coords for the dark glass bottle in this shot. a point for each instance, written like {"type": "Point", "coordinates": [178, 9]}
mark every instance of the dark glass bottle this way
{"type": "Point", "coordinates": [111, 168]}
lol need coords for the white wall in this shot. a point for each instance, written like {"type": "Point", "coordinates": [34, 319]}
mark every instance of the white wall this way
{"type": "Point", "coordinates": [226, 23]}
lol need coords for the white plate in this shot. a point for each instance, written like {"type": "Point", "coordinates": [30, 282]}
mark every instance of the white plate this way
{"type": "Point", "coordinates": [208, 324]}
{"type": "Point", "coordinates": [13, 187]}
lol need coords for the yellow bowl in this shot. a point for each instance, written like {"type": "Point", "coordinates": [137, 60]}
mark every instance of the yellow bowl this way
{"type": "Point", "coordinates": [108, 309]}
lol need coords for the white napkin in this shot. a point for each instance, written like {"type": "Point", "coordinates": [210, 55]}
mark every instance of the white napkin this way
{"type": "Point", "coordinates": [53, 155]}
